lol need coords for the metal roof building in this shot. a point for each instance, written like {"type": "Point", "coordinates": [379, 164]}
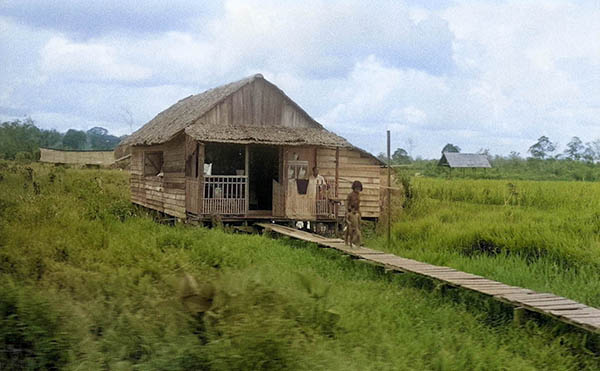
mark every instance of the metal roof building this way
{"type": "Point", "coordinates": [464, 160]}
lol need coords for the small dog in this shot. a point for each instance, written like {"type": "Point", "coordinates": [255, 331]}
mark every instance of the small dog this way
{"type": "Point", "coordinates": [352, 234]}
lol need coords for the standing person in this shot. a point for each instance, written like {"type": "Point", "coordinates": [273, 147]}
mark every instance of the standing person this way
{"type": "Point", "coordinates": [318, 182]}
{"type": "Point", "coordinates": [353, 216]}
{"type": "Point", "coordinates": [318, 177]}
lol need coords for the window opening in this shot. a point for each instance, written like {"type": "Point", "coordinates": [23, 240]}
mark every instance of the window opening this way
{"type": "Point", "coordinates": [153, 163]}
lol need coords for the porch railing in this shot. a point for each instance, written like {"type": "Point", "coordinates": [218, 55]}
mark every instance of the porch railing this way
{"type": "Point", "coordinates": [324, 207]}
{"type": "Point", "coordinates": [225, 194]}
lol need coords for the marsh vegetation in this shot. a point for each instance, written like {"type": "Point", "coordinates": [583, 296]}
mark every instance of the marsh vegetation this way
{"type": "Point", "coordinates": [91, 282]}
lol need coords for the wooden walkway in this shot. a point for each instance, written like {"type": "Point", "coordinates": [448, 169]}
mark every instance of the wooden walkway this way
{"type": "Point", "coordinates": [560, 308]}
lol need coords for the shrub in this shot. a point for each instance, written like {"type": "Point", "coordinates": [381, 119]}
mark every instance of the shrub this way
{"type": "Point", "coordinates": [30, 331]}
{"type": "Point", "coordinates": [174, 240]}
{"type": "Point", "coordinates": [121, 209]}
{"type": "Point", "coordinates": [23, 156]}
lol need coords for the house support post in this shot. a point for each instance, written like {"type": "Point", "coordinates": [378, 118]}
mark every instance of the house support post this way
{"type": "Point", "coordinates": [337, 186]}
{"type": "Point", "coordinates": [519, 316]}
{"type": "Point", "coordinates": [247, 174]}
{"type": "Point", "coordinates": [389, 193]}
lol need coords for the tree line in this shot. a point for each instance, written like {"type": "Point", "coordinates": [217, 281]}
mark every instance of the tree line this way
{"type": "Point", "coordinates": [542, 149]}
{"type": "Point", "coordinates": [544, 161]}
{"type": "Point", "coordinates": [22, 139]}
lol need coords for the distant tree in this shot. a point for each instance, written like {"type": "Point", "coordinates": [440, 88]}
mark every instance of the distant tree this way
{"type": "Point", "coordinates": [450, 148]}
{"type": "Point", "coordinates": [50, 139]}
{"type": "Point", "coordinates": [513, 155]}
{"type": "Point", "coordinates": [542, 148]}
{"type": "Point", "coordinates": [74, 139]}
{"type": "Point", "coordinates": [410, 145]}
{"type": "Point", "coordinates": [485, 152]}
{"type": "Point", "coordinates": [382, 157]}
{"type": "Point", "coordinates": [18, 136]}
{"type": "Point", "coordinates": [400, 156]}
{"type": "Point", "coordinates": [589, 154]}
{"type": "Point", "coordinates": [97, 131]}
{"type": "Point", "coordinates": [574, 150]}
{"type": "Point", "coordinates": [127, 116]}
{"type": "Point", "coordinates": [100, 139]}
{"type": "Point", "coordinates": [595, 147]}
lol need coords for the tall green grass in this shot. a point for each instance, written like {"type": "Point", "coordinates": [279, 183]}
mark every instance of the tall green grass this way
{"type": "Point", "coordinates": [90, 282]}
{"type": "Point", "coordinates": [514, 169]}
{"type": "Point", "coordinates": [540, 235]}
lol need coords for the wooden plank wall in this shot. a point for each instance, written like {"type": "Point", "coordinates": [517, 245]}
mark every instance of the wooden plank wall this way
{"type": "Point", "coordinates": [257, 104]}
{"type": "Point", "coordinates": [167, 193]}
{"type": "Point", "coordinates": [354, 166]}
{"type": "Point", "coordinates": [296, 207]}
{"type": "Point", "coordinates": [194, 180]}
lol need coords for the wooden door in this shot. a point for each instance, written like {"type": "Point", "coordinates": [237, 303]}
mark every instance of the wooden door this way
{"type": "Point", "coordinates": [279, 189]}
{"type": "Point", "coordinates": [194, 171]}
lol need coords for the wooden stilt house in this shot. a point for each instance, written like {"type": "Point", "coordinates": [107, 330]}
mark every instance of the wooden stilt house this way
{"type": "Point", "coordinates": [244, 151]}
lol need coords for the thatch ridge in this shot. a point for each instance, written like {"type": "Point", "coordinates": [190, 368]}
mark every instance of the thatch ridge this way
{"type": "Point", "coordinates": [187, 111]}
{"type": "Point", "coordinates": [186, 116]}
{"type": "Point", "coordinates": [291, 102]}
{"type": "Point", "coordinates": [273, 135]}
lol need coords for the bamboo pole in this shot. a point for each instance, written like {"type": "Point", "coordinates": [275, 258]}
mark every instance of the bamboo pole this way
{"type": "Point", "coordinates": [389, 192]}
{"type": "Point", "coordinates": [337, 185]}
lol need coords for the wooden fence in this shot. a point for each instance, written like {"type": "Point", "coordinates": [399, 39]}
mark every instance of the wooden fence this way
{"type": "Point", "coordinates": [225, 195]}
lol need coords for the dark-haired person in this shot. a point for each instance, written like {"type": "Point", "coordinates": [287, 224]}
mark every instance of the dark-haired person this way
{"type": "Point", "coordinates": [352, 233]}
{"type": "Point", "coordinates": [317, 185]}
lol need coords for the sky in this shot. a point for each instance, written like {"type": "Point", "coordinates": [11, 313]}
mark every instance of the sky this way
{"type": "Point", "coordinates": [491, 75]}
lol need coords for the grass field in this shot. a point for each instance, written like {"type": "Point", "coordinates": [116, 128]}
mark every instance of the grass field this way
{"type": "Point", "coordinates": [541, 235]}
{"type": "Point", "coordinates": [90, 282]}
{"type": "Point", "coordinates": [514, 168]}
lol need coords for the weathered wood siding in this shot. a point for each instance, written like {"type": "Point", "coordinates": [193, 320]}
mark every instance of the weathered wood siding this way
{"type": "Point", "coordinates": [194, 180]}
{"type": "Point", "coordinates": [167, 193]}
{"type": "Point", "coordinates": [354, 166]}
{"type": "Point", "coordinates": [298, 206]}
{"type": "Point", "coordinates": [257, 104]}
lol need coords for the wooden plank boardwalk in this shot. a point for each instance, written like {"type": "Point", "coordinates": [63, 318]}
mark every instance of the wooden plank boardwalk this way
{"type": "Point", "coordinates": [560, 308]}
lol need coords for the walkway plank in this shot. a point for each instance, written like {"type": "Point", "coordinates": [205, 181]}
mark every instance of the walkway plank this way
{"type": "Point", "coordinates": [560, 308]}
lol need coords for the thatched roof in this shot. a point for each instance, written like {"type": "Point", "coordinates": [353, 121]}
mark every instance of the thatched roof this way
{"type": "Point", "coordinates": [186, 115]}
{"type": "Point", "coordinates": [274, 135]}
{"type": "Point", "coordinates": [182, 114]}
{"type": "Point", "coordinates": [463, 160]}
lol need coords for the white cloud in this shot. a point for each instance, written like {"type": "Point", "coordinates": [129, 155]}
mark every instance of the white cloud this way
{"type": "Point", "coordinates": [88, 62]}
{"type": "Point", "coordinates": [63, 122]}
{"type": "Point", "coordinates": [409, 114]}
{"type": "Point", "coordinates": [85, 18]}
{"type": "Point", "coordinates": [527, 58]}
{"type": "Point", "coordinates": [477, 74]}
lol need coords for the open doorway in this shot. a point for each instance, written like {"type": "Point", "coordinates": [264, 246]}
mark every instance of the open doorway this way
{"type": "Point", "coordinates": [223, 158]}
{"type": "Point", "coordinates": [264, 168]}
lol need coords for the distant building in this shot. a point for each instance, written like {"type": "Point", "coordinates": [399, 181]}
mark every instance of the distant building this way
{"type": "Point", "coordinates": [455, 160]}
{"type": "Point", "coordinates": [61, 156]}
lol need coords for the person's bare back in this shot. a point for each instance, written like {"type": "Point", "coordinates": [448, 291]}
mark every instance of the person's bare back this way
{"type": "Point", "coordinates": [352, 234]}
